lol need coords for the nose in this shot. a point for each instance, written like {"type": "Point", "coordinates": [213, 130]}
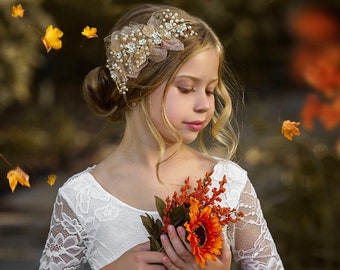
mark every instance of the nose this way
{"type": "Point", "coordinates": [202, 102]}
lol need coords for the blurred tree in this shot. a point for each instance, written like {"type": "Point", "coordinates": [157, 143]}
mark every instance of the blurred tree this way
{"type": "Point", "coordinates": [20, 54]}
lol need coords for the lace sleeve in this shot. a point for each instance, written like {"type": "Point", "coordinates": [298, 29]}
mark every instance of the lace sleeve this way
{"type": "Point", "coordinates": [253, 245]}
{"type": "Point", "coordinates": [65, 246]}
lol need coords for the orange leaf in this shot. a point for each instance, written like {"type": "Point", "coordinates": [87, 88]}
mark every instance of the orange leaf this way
{"type": "Point", "coordinates": [51, 179]}
{"type": "Point", "coordinates": [18, 176]}
{"type": "Point", "coordinates": [89, 32]}
{"type": "Point", "coordinates": [51, 40]}
{"type": "Point", "coordinates": [289, 129]}
{"type": "Point", "coordinates": [17, 11]}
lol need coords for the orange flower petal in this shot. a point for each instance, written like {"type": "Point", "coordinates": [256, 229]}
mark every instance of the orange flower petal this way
{"type": "Point", "coordinates": [204, 233]}
{"type": "Point", "coordinates": [18, 176]}
{"type": "Point", "coordinates": [289, 129]}
{"type": "Point", "coordinates": [17, 11]}
{"type": "Point", "coordinates": [89, 32]}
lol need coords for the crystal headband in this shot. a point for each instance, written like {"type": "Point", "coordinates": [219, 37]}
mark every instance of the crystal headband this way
{"type": "Point", "coordinates": [129, 50]}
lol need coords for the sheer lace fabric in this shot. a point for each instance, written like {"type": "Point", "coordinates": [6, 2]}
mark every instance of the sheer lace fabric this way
{"type": "Point", "coordinates": [90, 225]}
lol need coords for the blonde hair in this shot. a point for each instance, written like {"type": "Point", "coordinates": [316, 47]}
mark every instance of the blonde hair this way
{"type": "Point", "coordinates": [102, 96]}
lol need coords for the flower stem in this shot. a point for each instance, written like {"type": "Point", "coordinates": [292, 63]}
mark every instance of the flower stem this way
{"type": "Point", "coordinates": [35, 30]}
{"type": "Point", "coordinates": [7, 162]}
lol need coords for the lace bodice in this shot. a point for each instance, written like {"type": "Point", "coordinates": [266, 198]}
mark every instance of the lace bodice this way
{"type": "Point", "coordinates": [90, 225]}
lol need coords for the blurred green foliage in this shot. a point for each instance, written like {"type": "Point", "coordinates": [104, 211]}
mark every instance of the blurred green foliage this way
{"type": "Point", "coordinates": [305, 223]}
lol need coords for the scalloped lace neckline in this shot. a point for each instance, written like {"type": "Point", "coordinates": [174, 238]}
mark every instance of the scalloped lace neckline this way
{"type": "Point", "coordinates": [152, 212]}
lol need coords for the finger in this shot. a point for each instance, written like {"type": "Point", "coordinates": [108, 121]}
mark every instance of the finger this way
{"type": "Point", "coordinates": [225, 256]}
{"type": "Point", "coordinates": [173, 260]}
{"type": "Point", "coordinates": [178, 246]}
{"type": "Point", "coordinates": [143, 253]}
{"type": "Point", "coordinates": [154, 257]}
{"type": "Point", "coordinates": [182, 234]}
{"type": "Point", "coordinates": [168, 248]}
{"type": "Point", "coordinates": [150, 257]}
{"type": "Point", "coordinates": [156, 267]}
{"type": "Point", "coordinates": [142, 247]}
{"type": "Point", "coordinates": [168, 264]}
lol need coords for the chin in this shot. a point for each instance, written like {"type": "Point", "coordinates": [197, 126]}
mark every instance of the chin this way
{"type": "Point", "coordinates": [186, 140]}
{"type": "Point", "coordinates": [189, 139]}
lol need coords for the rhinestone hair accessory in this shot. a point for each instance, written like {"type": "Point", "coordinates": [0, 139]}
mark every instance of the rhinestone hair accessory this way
{"type": "Point", "coordinates": [129, 50]}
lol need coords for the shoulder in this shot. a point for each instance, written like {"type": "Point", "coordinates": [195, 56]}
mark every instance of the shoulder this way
{"type": "Point", "coordinates": [231, 170]}
{"type": "Point", "coordinates": [82, 178]}
{"type": "Point", "coordinates": [80, 189]}
{"type": "Point", "coordinates": [237, 178]}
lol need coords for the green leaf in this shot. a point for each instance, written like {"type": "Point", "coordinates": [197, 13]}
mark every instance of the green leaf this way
{"type": "Point", "coordinates": [149, 223]}
{"type": "Point", "coordinates": [157, 229]}
{"type": "Point", "coordinates": [160, 205]}
{"type": "Point", "coordinates": [156, 245]}
{"type": "Point", "coordinates": [178, 216]}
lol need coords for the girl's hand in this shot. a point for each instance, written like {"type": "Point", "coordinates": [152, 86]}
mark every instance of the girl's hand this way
{"type": "Point", "coordinates": [180, 257]}
{"type": "Point", "coordinates": [139, 257]}
{"type": "Point", "coordinates": [223, 261]}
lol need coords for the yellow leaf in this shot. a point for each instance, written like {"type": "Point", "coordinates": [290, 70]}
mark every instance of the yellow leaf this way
{"type": "Point", "coordinates": [17, 11]}
{"type": "Point", "coordinates": [289, 129]}
{"type": "Point", "coordinates": [51, 179]}
{"type": "Point", "coordinates": [51, 40]}
{"type": "Point", "coordinates": [18, 176]}
{"type": "Point", "coordinates": [89, 32]}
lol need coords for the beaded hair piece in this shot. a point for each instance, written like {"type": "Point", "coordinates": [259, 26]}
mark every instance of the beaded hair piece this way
{"type": "Point", "coordinates": [129, 50]}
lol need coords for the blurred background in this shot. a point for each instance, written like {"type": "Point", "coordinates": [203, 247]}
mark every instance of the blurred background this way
{"type": "Point", "coordinates": [287, 58]}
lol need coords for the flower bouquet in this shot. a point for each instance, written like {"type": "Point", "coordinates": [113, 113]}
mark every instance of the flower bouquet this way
{"type": "Point", "coordinates": [201, 216]}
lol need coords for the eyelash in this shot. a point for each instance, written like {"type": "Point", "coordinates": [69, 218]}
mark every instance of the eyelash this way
{"type": "Point", "coordinates": [211, 92]}
{"type": "Point", "coordinates": [188, 90]}
{"type": "Point", "coordinates": [185, 90]}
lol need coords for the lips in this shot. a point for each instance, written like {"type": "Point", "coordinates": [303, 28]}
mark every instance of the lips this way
{"type": "Point", "coordinates": [195, 125]}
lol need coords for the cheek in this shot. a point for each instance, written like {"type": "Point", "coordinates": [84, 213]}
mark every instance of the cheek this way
{"type": "Point", "coordinates": [175, 106]}
{"type": "Point", "coordinates": [212, 108]}
{"type": "Point", "coordinates": [174, 112]}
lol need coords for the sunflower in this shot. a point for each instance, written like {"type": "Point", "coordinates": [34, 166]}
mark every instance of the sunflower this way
{"type": "Point", "coordinates": [204, 232]}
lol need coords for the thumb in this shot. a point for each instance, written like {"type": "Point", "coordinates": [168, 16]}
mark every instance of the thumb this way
{"type": "Point", "coordinates": [225, 256]}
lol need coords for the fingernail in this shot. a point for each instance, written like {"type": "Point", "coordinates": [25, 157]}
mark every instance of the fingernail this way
{"type": "Point", "coordinates": [170, 228]}
{"type": "Point", "coordinates": [166, 260]}
{"type": "Point", "coordinates": [181, 231]}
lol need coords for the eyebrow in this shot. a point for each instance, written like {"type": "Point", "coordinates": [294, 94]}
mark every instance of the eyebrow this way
{"type": "Point", "coordinates": [195, 79]}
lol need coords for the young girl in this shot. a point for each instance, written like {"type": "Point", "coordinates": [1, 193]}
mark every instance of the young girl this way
{"type": "Point", "coordinates": [164, 78]}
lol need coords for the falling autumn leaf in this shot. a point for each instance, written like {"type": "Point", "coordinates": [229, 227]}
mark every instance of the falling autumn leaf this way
{"type": "Point", "coordinates": [51, 179]}
{"type": "Point", "coordinates": [18, 176]}
{"type": "Point", "coordinates": [17, 11]}
{"type": "Point", "coordinates": [89, 32]}
{"type": "Point", "coordinates": [51, 40]}
{"type": "Point", "coordinates": [289, 129]}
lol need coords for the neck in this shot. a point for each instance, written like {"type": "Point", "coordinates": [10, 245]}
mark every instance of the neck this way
{"type": "Point", "coordinates": [144, 150]}
{"type": "Point", "coordinates": [139, 146]}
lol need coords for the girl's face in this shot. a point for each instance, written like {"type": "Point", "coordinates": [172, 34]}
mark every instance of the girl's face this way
{"type": "Point", "coordinates": [189, 102]}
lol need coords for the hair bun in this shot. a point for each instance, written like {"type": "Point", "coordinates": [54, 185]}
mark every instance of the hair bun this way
{"type": "Point", "coordinates": [101, 95]}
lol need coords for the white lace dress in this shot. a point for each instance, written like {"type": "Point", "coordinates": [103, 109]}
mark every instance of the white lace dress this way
{"type": "Point", "coordinates": [90, 225]}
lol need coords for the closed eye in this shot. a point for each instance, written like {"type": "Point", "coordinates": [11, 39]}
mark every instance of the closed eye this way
{"type": "Point", "coordinates": [210, 92]}
{"type": "Point", "coordinates": [185, 90]}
